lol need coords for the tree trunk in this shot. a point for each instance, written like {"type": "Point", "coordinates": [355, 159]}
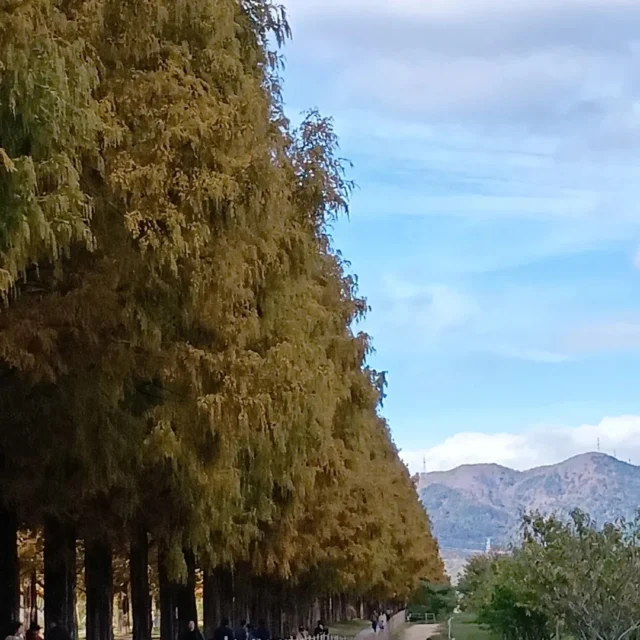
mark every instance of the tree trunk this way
{"type": "Point", "coordinates": [238, 611]}
{"type": "Point", "coordinates": [9, 569]}
{"type": "Point", "coordinates": [291, 619]}
{"type": "Point", "coordinates": [60, 576]}
{"type": "Point", "coordinates": [258, 608]}
{"type": "Point", "coordinates": [275, 611]}
{"type": "Point", "coordinates": [210, 603]}
{"type": "Point", "coordinates": [99, 586]}
{"type": "Point", "coordinates": [140, 595]}
{"type": "Point", "coordinates": [119, 611]}
{"type": "Point", "coordinates": [168, 603]}
{"type": "Point", "coordinates": [224, 584]}
{"type": "Point", "coordinates": [187, 610]}
{"type": "Point", "coordinates": [25, 601]}
{"type": "Point", "coordinates": [241, 593]}
{"type": "Point", "coordinates": [33, 597]}
{"type": "Point", "coordinates": [323, 610]}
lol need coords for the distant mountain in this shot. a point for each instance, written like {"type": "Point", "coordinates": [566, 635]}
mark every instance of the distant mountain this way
{"type": "Point", "coordinates": [471, 503]}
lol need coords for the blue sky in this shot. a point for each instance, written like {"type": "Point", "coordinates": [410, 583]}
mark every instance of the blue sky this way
{"type": "Point", "coordinates": [496, 226]}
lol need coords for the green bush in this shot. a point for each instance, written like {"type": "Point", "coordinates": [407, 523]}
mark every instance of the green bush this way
{"type": "Point", "coordinates": [432, 598]}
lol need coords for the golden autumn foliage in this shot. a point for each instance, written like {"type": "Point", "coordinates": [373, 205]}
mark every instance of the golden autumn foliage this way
{"type": "Point", "coordinates": [177, 343]}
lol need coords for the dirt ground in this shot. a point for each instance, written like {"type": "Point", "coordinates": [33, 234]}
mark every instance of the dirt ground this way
{"type": "Point", "coordinates": [420, 631]}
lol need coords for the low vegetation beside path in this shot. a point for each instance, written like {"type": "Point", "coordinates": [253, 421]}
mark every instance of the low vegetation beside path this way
{"type": "Point", "coordinates": [465, 627]}
{"type": "Point", "coordinates": [569, 578]}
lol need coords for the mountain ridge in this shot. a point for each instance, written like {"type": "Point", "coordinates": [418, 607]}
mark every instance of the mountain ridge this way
{"type": "Point", "coordinates": [471, 503]}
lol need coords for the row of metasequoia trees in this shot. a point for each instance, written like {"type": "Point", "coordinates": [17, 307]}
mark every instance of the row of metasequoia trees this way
{"type": "Point", "coordinates": [180, 384]}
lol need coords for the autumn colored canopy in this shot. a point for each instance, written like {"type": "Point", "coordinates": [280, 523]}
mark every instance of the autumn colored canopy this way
{"type": "Point", "coordinates": [177, 344]}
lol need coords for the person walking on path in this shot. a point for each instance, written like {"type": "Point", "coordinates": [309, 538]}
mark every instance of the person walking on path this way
{"type": "Point", "coordinates": [223, 632]}
{"type": "Point", "coordinates": [262, 632]}
{"type": "Point", "coordinates": [34, 631]}
{"type": "Point", "coordinates": [16, 631]}
{"type": "Point", "coordinates": [192, 632]}
{"type": "Point", "coordinates": [241, 632]}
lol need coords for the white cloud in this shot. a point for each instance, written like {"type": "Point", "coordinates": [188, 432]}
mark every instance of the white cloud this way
{"type": "Point", "coordinates": [532, 355]}
{"type": "Point", "coordinates": [614, 335]}
{"type": "Point", "coordinates": [556, 85]}
{"type": "Point", "coordinates": [441, 8]}
{"type": "Point", "coordinates": [562, 68]}
{"type": "Point", "coordinates": [433, 310]}
{"type": "Point", "coordinates": [540, 446]}
{"type": "Point", "coordinates": [511, 323]}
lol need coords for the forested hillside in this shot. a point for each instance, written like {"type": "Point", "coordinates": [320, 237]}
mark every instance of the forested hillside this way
{"type": "Point", "coordinates": [181, 384]}
{"type": "Point", "coordinates": [469, 504]}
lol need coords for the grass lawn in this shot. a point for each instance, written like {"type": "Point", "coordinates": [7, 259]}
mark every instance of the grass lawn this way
{"type": "Point", "coordinates": [348, 628]}
{"type": "Point", "coordinates": [464, 627]}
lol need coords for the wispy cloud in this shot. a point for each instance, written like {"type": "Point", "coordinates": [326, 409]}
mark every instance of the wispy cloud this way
{"type": "Point", "coordinates": [509, 324]}
{"type": "Point", "coordinates": [613, 335]}
{"type": "Point", "coordinates": [538, 446]}
{"type": "Point", "coordinates": [433, 310]}
{"type": "Point", "coordinates": [542, 65]}
{"type": "Point", "coordinates": [532, 355]}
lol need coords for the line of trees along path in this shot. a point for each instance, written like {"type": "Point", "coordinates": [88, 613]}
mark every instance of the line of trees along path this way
{"type": "Point", "coordinates": [182, 389]}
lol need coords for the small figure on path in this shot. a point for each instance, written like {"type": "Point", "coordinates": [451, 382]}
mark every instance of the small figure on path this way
{"type": "Point", "coordinates": [34, 631]}
{"type": "Point", "coordinates": [382, 621]}
{"type": "Point", "coordinates": [16, 631]}
{"type": "Point", "coordinates": [193, 633]}
{"type": "Point", "coordinates": [320, 630]}
{"type": "Point", "coordinates": [241, 632]}
{"type": "Point", "coordinates": [223, 632]}
{"type": "Point", "coordinates": [262, 632]}
{"type": "Point", "coordinates": [374, 622]}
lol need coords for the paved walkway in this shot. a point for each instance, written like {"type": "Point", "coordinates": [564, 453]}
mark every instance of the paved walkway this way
{"type": "Point", "coordinates": [421, 631]}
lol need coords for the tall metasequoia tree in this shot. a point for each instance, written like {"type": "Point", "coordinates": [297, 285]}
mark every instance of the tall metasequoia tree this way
{"type": "Point", "coordinates": [211, 609]}
{"type": "Point", "coordinates": [140, 588]}
{"type": "Point", "coordinates": [168, 601]}
{"type": "Point", "coordinates": [60, 575]}
{"type": "Point", "coordinates": [99, 589]}
{"type": "Point", "coordinates": [186, 595]}
{"type": "Point", "coordinates": [9, 569]}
